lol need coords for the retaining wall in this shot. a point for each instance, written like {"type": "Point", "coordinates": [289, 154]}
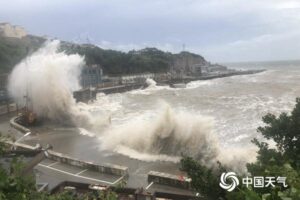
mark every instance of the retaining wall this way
{"type": "Point", "coordinates": [14, 123]}
{"type": "Point", "coordinates": [56, 156]}
{"type": "Point", "coordinates": [107, 168]}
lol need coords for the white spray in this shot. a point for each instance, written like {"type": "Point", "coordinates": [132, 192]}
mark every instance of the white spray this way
{"type": "Point", "coordinates": [164, 138]}
{"type": "Point", "coordinates": [150, 82]}
{"type": "Point", "coordinates": [48, 78]}
{"type": "Point", "coordinates": [169, 136]}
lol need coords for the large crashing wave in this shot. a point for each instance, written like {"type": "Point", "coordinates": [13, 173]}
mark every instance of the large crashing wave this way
{"type": "Point", "coordinates": [48, 78]}
{"type": "Point", "coordinates": [169, 134]}
{"type": "Point", "coordinates": [165, 138]}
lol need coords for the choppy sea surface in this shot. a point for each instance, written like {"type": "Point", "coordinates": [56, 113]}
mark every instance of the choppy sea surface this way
{"type": "Point", "coordinates": [209, 120]}
{"type": "Point", "coordinates": [159, 121]}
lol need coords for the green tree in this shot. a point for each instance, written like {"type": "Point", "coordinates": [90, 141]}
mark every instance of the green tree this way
{"type": "Point", "coordinates": [204, 180]}
{"type": "Point", "coordinates": [283, 161]}
{"type": "Point", "coordinates": [285, 131]}
{"type": "Point", "coordinates": [14, 186]}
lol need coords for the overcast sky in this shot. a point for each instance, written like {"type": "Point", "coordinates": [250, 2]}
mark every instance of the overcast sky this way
{"type": "Point", "coordinates": [220, 30]}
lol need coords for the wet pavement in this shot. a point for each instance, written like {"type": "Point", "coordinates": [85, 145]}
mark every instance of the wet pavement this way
{"type": "Point", "coordinates": [70, 142]}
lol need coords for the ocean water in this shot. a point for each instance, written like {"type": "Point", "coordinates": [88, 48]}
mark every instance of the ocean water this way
{"type": "Point", "coordinates": [209, 120]}
{"type": "Point", "coordinates": [150, 129]}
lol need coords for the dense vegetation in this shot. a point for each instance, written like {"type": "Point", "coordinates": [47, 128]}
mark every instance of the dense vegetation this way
{"type": "Point", "coordinates": [13, 50]}
{"type": "Point", "coordinates": [116, 62]}
{"type": "Point", "coordinates": [283, 161]}
{"type": "Point", "coordinates": [15, 186]}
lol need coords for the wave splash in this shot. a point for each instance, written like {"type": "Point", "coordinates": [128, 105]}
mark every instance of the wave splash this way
{"type": "Point", "coordinates": [165, 138]}
{"type": "Point", "coordinates": [169, 135]}
{"type": "Point", "coordinates": [48, 78]}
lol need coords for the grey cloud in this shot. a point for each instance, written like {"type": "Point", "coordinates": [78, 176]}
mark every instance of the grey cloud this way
{"type": "Point", "coordinates": [219, 29]}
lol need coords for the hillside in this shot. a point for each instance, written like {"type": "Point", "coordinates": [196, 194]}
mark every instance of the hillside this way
{"type": "Point", "coordinates": [116, 62]}
{"type": "Point", "coordinates": [135, 61]}
{"type": "Point", "coordinates": [13, 50]}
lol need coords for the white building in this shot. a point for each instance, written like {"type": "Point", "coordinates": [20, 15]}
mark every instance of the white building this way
{"type": "Point", "coordinates": [8, 30]}
{"type": "Point", "coordinates": [200, 69]}
{"type": "Point", "coordinates": [217, 68]}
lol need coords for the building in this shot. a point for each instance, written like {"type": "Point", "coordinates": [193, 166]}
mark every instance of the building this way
{"type": "Point", "coordinates": [123, 193]}
{"type": "Point", "coordinates": [207, 68]}
{"type": "Point", "coordinates": [8, 30]}
{"type": "Point", "coordinates": [200, 69]}
{"type": "Point", "coordinates": [184, 62]}
{"type": "Point", "coordinates": [6, 103]}
{"type": "Point", "coordinates": [162, 77]}
{"type": "Point", "coordinates": [91, 76]}
{"type": "Point", "coordinates": [217, 68]}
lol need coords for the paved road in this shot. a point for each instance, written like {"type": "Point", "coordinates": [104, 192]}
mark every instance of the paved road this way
{"type": "Point", "coordinates": [70, 142]}
{"type": "Point", "coordinates": [55, 172]}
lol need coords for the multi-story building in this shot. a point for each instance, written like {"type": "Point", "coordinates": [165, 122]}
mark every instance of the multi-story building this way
{"type": "Point", "coordinates": [8, 30]}
{"type": "Point", "coordinates": [91, 76]}
{"type": "Point", "coordinates": [217, 68]}
{"type": "Point", "coordinates": [200, 69]}
{"type": "Point", "coordinates": [207, 68]}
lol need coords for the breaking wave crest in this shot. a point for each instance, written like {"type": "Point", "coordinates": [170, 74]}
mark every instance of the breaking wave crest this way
{"type": "Point", "coordinates": [150, 82]}
{"type": "Point", "coordinates": [48, 78]}
{"type": "Point", "coordinates": [170, 134]}
{"type": "Point", "coordinates": [165, 138]}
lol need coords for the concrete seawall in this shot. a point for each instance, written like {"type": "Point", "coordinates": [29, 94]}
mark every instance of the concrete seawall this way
{"type": "Point", "coordinates": [215, 76]}
{"type": "Point", "coordinates": [120, 88]}
{"type": "Point", "coordinates": [106, 168]}
{"type": "Point", "coordinates": [14, 123]}
{"type": "Point", "coordinates": [85, 95]}
{"type": "Point", "coordinates": [56, 156]}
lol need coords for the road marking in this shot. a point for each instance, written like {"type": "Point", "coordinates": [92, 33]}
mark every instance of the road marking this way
{"type": "Point", "coordinates": [118, 180]}
{"type": "Point", "coordinates": [83, 177]}
{"type": "Point", "coordinates": [149, 185]}
{"type": "Point", "coordinates": [82, 171]}
{"type": "Point", "coordinates": [52, 164]}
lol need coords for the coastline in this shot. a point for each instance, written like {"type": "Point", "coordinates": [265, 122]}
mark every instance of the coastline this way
{"type": "Point", "coordinates": [215, 76]}
{"type": "Point", "coordinates": [87, 94]}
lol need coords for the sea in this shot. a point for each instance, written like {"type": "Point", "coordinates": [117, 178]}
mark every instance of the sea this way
{"type": "Point", "coordinates": [210, 120]}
